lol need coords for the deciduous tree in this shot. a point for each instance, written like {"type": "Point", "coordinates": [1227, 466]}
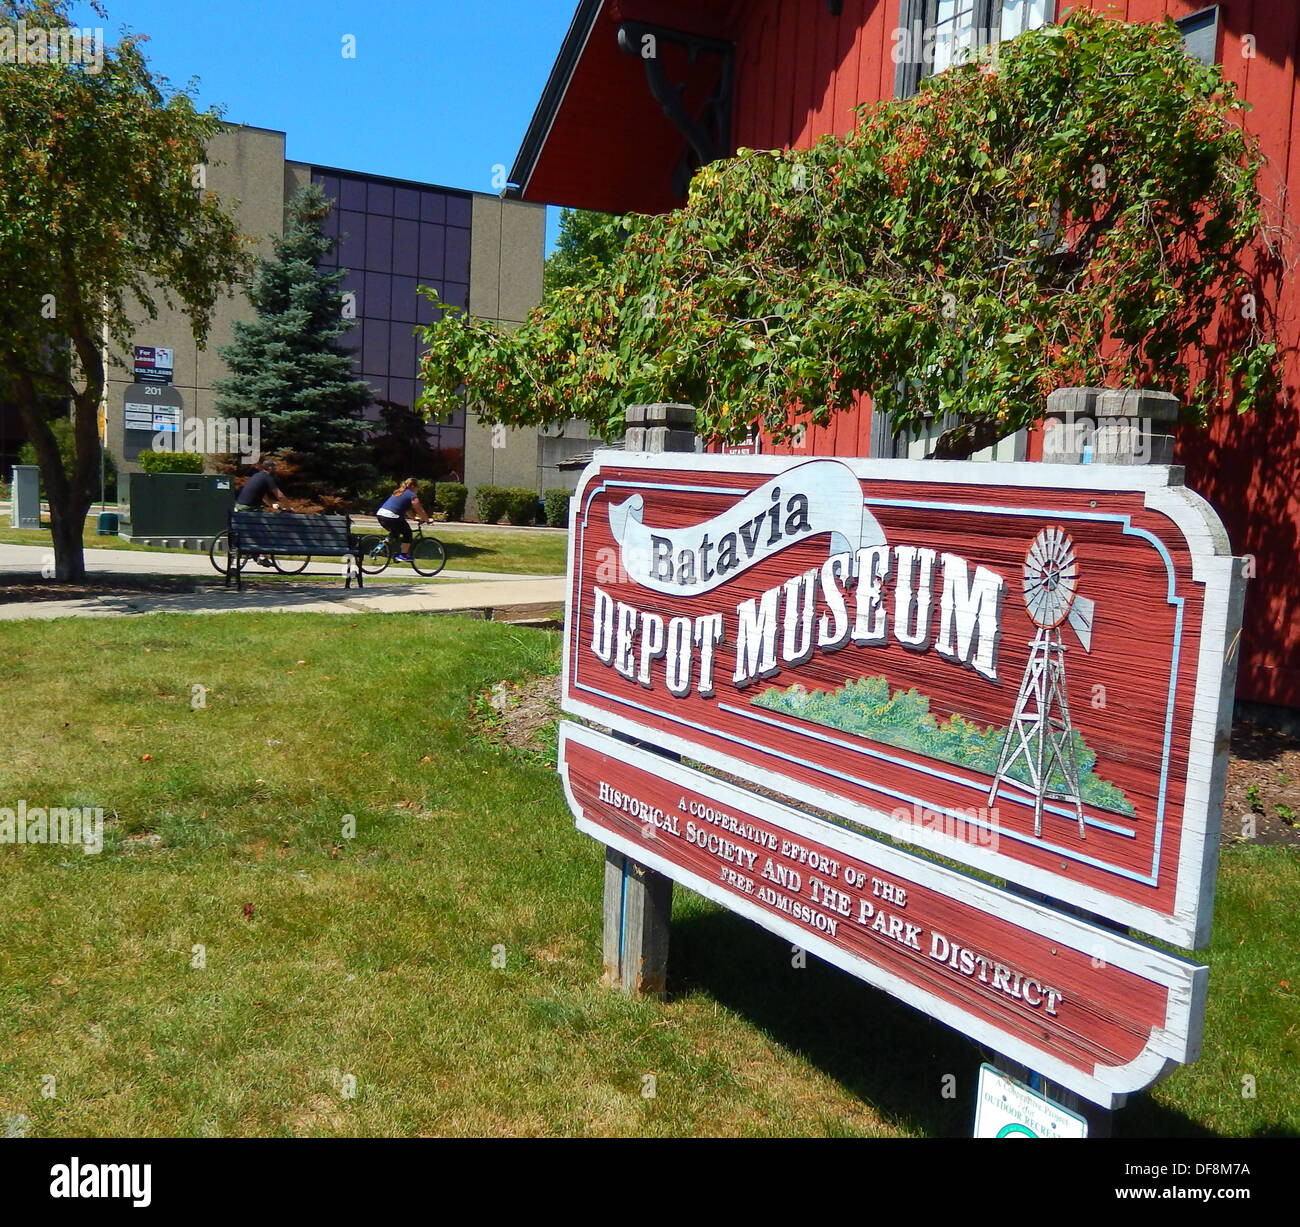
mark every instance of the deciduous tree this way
{"type": "Point", "coordinates": [1083, 210]}
{"type": "Point", "coordinates": [102, 213]}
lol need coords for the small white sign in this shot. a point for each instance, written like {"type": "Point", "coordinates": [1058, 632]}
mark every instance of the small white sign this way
{"type": "Point", "coordinates": [1005, 1108]}
{"type": "Point", "coordinates": [152, 418]}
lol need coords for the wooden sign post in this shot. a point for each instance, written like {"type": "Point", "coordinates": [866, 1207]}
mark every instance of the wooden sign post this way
{"type": "Point", "coordinates": [638, 901]}
{"type": "Point", "coordinates": [1023, 669]}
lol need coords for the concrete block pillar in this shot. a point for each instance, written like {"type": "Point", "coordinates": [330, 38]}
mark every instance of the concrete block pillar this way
{"type": "Point", "coordinates": [1109, 426]}
{"type": "Point", "coordinates": [1136, 427]}
{"type": "Point", "coordinates": [659, 428]}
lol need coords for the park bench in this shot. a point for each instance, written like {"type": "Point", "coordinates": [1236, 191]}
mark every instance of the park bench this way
{"type": "Point", "coordinates": [253, 533]}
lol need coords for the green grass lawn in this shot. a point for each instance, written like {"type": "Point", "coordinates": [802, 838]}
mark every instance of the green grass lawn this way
{"type": "Point", "coordinates": [89, 538]}
{"type": "Point", "coordinates": [331, 959]}
{"type": "Point", "coordinates": [468, 549]}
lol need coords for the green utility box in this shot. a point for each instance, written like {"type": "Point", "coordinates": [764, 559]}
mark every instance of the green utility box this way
{"type": "Point", "coordinates": [169, 507]}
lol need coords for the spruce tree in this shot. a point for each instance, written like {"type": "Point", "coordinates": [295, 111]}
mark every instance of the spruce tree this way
{"type": "Point", "coordinates": [289, 367]}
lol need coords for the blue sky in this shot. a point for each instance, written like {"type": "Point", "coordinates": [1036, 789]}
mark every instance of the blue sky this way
{"type": "Point", "coordinates": [439, 90]}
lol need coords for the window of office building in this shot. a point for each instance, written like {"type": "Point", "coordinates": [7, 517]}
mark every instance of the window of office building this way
{"type": "Point", "coordinates": [394, 238]}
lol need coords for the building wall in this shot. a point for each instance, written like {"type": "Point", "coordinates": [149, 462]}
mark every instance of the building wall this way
{"type": "Point", "coordinates": [477, 251]}
{"type": "Point", "coordinates": [505, 284]}
{"type": "Point", "coordinates": [246, 169]}
{"type": "Point", "coordinates": [800, 71]}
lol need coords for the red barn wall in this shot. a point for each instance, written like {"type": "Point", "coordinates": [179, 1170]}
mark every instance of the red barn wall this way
{"type": "Point", "coordinates": [800, 72]}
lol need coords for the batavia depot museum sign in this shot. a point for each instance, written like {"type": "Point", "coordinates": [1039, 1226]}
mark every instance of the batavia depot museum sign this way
{"type": "Point", "coordinates": [1021, 668]}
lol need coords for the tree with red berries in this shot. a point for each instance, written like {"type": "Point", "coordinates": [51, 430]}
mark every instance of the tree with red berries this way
{"type": "Point", "coordinates": [1076, 211]}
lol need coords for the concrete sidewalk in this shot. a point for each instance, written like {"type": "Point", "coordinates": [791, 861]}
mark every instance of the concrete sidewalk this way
{"type": "Point", "coordinates": [516, 598]}
{"type": "Point", "coordinates": [29, 559]}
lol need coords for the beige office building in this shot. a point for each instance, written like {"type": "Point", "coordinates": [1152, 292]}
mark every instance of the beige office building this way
{"type": "Point", "coordinates": [479, 251]}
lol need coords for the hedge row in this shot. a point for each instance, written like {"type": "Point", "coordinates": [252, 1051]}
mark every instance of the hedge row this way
{"type": "Point", "coordinates": [515, 503]}
{"type": "Point", "coordinates": [449, 497]}
{"type": "Point", "coordinates": [556, 503]}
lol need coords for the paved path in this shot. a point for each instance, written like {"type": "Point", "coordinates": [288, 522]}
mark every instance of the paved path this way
{"type": "Point", "coordinates": [28, 560]}
{"type": "Point", "coordinates": [514, 598]}
{"type": "Point", "coordinates": [493, 594]}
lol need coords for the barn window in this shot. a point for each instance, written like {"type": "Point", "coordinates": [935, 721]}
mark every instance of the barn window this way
{"type": "Point", "coordinates": [1200, 34]}
{"type": "Point", "coordinates": [934, 34]}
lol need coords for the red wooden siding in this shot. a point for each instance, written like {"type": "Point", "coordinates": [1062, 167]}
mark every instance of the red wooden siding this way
{"type": "Point", "coordinates": [799, 74]}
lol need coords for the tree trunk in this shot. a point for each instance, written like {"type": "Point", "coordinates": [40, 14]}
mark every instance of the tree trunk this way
{"type": "Point", "coordinates": [67, 524]}
{"type": "Point", "coordinates": [69, 496]}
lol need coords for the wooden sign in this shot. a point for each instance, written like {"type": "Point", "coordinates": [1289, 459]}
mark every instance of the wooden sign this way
{"type": "Point", "coordinates": [1021, 667]}
{"type": "Point", "coordinates": [1090, 1009]}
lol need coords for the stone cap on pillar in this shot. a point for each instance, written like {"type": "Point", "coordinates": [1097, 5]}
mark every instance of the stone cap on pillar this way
{"type": "Point", "coordinates": [1109, 426]}
{"type": "Point", "coordinates": [679, 417]}
{"type": "Point", "coordinates": [1137, 403]}
{"type": "Point", "coordinates": [659, 428]}
{"type": "Point", "coordinates": [1082, 402]}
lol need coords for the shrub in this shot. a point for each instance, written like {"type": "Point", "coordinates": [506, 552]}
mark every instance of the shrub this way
{"type": "Point", "coordinates": [557, 508]}
{"type": "Point", "coordinates": [170, 462]}
{"type": "Point", "coordinates": [450, 496]}
{"type": "Point", "coordinates": [490, 503]}
{"type": "Point", "coordinates": [372, 496]}
{"type": "Point", "coordinates": [521, 505]}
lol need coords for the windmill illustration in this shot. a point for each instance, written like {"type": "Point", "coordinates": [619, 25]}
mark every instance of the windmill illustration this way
{"type": "Point", "coordinates": [1040, 732]}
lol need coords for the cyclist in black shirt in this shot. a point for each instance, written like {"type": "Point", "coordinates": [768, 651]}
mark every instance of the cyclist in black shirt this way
{"type": "Point", "coordinates": [258, 489]}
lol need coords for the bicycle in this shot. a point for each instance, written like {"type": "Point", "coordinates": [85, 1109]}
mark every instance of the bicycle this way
{"type": "Point", "coordinates": [427, 553]}
{"type": "Point", "coordinates": [286, 564]}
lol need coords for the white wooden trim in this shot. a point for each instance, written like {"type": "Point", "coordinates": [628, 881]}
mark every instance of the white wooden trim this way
{"type": "Point", "coordinates": [960, 472]}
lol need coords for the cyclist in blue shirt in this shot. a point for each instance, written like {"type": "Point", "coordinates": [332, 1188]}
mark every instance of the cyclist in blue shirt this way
{"type": "Point", "coordinates": [392, 515]}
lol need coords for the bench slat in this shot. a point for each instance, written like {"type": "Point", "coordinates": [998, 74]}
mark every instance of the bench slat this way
{"type": "Point", "coordinates": [273, 532]}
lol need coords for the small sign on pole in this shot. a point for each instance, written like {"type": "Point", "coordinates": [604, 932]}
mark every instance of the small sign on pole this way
{"type": "Point", "coordinates": [1005, 1108]}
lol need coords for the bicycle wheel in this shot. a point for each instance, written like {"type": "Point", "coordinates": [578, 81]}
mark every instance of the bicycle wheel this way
{"type": "Point", "coordinates": [290, 564]}
{"type": "Point", "coordinates": [218, 550]}
{"type": "Point", "coordinates": [374, 554]}
{"type": "Point", "coordinates": [428, 556]}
